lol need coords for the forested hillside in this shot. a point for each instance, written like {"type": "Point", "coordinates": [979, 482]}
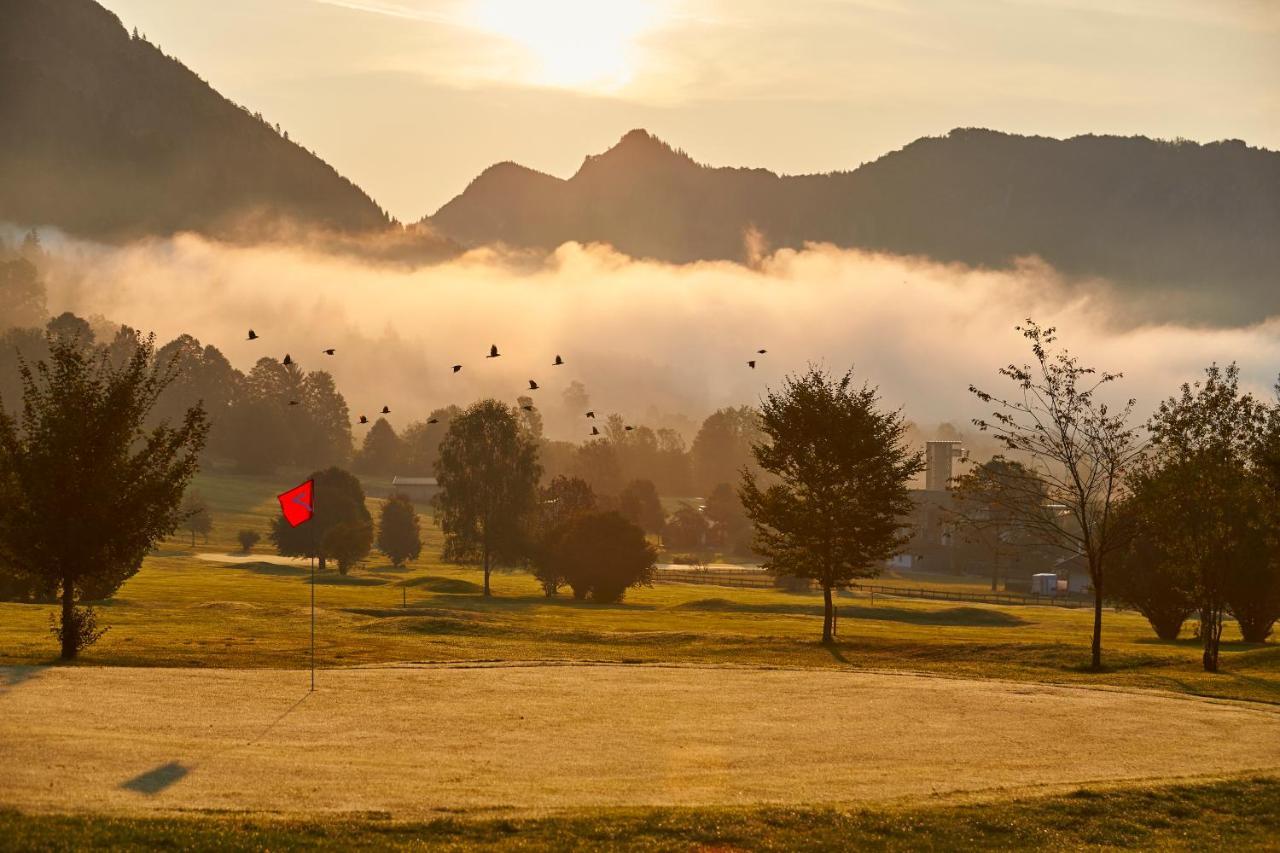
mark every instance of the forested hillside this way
{"type": "Point", "coordinates": [1150, 215]}
{"type": "Point", "coordinates": [103, 135]}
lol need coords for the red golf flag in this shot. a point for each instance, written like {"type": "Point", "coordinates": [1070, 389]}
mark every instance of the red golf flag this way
{"type": "Point", "coordinates": [296, 504]}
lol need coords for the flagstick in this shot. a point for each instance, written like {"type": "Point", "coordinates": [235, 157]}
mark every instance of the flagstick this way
{"type": "Point", "coordinates": [313, 623]}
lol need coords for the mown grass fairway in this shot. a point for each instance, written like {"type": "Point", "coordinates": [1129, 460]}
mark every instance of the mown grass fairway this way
{"type": "Point", "coordinates": [413, 742]}
{"type": "Point", "coordinates": [182, 611]}
{"type": "Point", "coordinates": [684, 695]}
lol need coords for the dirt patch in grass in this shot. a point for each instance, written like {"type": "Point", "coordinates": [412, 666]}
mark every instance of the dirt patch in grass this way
{"type": "Point", "coordinates": [413, 740]}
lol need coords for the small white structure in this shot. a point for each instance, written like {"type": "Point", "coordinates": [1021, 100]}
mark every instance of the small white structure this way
{"type": "Point", "coordinates": [418, 489]}
{"type": "Point", "coordinates": [1045, 583]}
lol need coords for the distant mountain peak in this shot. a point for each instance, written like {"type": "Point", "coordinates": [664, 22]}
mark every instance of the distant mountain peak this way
{"type": "Point", "coordinates": [1148, 215]}
{"type": "Point", "coordinates": [638, 149]}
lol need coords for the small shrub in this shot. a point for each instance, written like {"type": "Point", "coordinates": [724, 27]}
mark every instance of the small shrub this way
{"type": "Point", "coordinates": [83, 625]}
{"type": "Point", "coordinates": [248, 538]}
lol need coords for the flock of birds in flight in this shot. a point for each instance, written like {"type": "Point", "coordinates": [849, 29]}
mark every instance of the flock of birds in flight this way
{"type": "Point", "coordinates": [457, 368]}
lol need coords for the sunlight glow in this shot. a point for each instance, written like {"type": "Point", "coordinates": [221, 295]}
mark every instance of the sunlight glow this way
{"type": "Point", "coordinates": [573, 44]}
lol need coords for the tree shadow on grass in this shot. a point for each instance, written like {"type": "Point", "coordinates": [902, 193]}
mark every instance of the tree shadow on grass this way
{"type": "Point", "coordinates": [348, 580]}
{"type": "Point", "coordinates": [952, 616]}
{"type": "Point", "coordinates": [274, 569]}
{"type": "Point", "coordinates": [448, 586]}
{"type": "Point", "coordinates": [157, 779]}
{"type": "Point", "coordinates": [14, 676]}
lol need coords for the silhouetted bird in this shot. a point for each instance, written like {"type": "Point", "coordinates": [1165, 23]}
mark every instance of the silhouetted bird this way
{"type": "Point", "coordinates": [433, 420]}
{"type": "Point", "coordinates": [294, 403]}
{"type": "Point", "coordinates": [493, 352]}
{"type": "Point", "coordinates": [527, 408]}
{"type": "Point", "coordinates": [329, 351]}
{"type": "Point", "coordinates": [363, 419]}
{"type": "Point", "coordinates": [559, 361]}
{"type": "Point", "coordinates": [253, 336]}
{"type": "Point", "coordinates": [761, 351]}
{"type": "Point", "coordinates": [386, 410]}
{"type": "Point", "coordinates": [591, 414]}
{"type": "Point", "coordinates": [288, 360]}
{"type": "Point", "coordinates": [533, 386]}
{"type": "Point", "coordinates": [457, 367]}
{"type": "Point", "coordinates": [751, 364]}
{"type": "Point", "coordinates": [629, 428]}
{"type": "Point", "coordinates": [595, 430]}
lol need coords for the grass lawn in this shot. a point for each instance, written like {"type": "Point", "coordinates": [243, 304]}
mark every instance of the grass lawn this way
{"type": "Point", "coordinates": [1234, 814]}
{"type": "Point", "coordinates": [182, 611]}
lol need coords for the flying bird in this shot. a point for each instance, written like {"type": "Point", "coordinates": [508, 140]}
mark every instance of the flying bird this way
{"type": "Point", "coordinates": [457, 367]}
{"type": "Point", "coordinates": [533, 386]}
{"type": "Point", "coordinates": [294, 403]}
{"type": "Point", "coordinates": [329, 351]}
{"type": "Point", "coordinates": [629, 428]}
{"type": "Point", "coordinates": [433, 420]}
{"type": "Point", "coordinates": [363, 419]}
{"type": "Point", "coordinates": [752, 364]}
{"type": "Point", "coordinates": [761, 351]}
{"type": "Point", "coordinates": [493, 352]}
{"type": "Point", "coordinates": [527, 408]}
{"type": "Point", "coordinates": [386, 410]}
{"type": "Point", "coordinates": [253, 336]}
{"type": "Point", "coordinates": [559, 361]}
{"type": "Point", "coordinates": [595, 430]}
{"type": "Point", "coordinates": [288, 360]}
{"type": "Point", "coordinates": [591, 414]}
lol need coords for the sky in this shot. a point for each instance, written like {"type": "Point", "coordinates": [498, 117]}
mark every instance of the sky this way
{"type": "Point", "coordinates": [412, 99]}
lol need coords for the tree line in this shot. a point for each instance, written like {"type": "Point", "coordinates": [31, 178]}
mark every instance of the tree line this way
{"type": "Point", "coordinates": [1176, 518]}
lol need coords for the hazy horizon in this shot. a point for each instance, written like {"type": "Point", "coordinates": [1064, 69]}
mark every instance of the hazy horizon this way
{"type": "Point", "coordinates": [662, 344]}
{"type": "Point", "coordinates": [412, 99]}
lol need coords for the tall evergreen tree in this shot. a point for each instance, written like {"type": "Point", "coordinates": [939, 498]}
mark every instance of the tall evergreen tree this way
{"type": "Point", "coordinates": [381, 451]}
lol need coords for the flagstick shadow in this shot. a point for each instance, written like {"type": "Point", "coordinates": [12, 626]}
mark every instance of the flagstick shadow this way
{"type": "Point", "coordinates": [168, 774]}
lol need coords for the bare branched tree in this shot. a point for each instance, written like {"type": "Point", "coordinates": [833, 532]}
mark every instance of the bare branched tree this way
{"type": "Point", "coordinates": [1077, 450]}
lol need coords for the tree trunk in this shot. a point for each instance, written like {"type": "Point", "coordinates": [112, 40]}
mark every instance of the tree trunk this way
{"type": "Point", "coordinates": [1096, 662]}
{"type": "Point", "coordinates": [486, 571]}
{"type": "Point", "coordinates": [826, 613]}
{"type": "Point", "coordinates": [320, 561]}
{"type": "Point", "coordinates": [1211, 633]}
{"type": "Point", "coordinates": [69, 633]}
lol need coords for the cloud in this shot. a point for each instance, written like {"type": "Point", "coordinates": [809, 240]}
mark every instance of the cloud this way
{"type": "Point", "coordinates": [649, 340]}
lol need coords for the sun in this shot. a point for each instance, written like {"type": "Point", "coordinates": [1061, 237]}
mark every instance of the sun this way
{"type": "Point", "coordinates": [573, 44]}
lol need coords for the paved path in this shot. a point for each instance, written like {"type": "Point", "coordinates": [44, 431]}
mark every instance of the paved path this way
{"type": "Point", "coordinates": [418, 741]}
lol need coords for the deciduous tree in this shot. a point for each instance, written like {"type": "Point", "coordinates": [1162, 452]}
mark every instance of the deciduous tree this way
{"type": "Point", "coordinates": [86, 490]}
{"type": "Point", "coordinates": [338, 502]}
{"type": "Point", "coordinates": [1078, 447]}
{"type": "Point", "coordinates": [399, 536]}
{"type": "Point", "coordinates": [836, 510]}
{"type": "Point", "coordinates": [488, 474]}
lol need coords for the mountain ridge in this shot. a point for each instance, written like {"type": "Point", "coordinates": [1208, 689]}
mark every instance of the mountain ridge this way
{"type": "Point", "coordinates": [1140, 212]}
{"type": "Point", "coordinates": [105, 136]}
